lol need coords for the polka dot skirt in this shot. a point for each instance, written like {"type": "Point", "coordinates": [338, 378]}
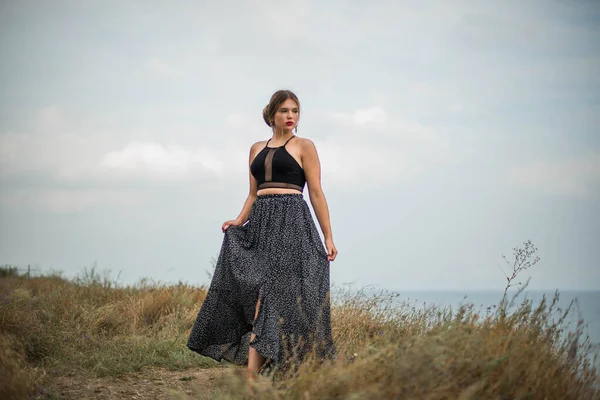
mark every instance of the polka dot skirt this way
{"type": "Point", "coordinates": [279, 256]}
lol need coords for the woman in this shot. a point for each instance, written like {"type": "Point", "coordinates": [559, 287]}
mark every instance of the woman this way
{"type": "Point", "coordinates": [268, 302]}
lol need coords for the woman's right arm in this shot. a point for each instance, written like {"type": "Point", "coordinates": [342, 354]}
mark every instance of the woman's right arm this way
{"type": "Point", "coordinates": [245, 213]}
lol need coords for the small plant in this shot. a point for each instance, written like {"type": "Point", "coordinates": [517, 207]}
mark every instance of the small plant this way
{"type": "Point", "coordinates": [524, 258]}
{"type": "Point", "coordinates": [7, 270]}
{"type": "Point", "coordinates": [91, 277]}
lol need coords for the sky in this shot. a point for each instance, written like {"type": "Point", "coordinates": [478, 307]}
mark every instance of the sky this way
{"type": "Point", "coordinates": [449, 133]}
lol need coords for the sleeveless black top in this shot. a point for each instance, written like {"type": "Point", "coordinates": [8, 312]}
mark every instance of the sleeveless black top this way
{"type": "Point", "coordinates": [274, 167]}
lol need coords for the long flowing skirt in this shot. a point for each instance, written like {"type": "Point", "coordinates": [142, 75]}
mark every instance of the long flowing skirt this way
{"type": "Point", "coordinates": [278, 257]}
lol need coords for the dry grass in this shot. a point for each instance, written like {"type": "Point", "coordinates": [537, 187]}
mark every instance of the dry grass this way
{"type": "Point", "coordinates": [17, 379]}
{"type": "Point", "coordinates": [50, 327]}
{"type": "Point", "coordinates": [404, 353]}
{"type": "Point", "coordinates": [54, 328]}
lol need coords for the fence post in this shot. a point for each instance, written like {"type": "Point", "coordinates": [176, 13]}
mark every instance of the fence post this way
{"type": "Point", "coordinates": [29, 270]}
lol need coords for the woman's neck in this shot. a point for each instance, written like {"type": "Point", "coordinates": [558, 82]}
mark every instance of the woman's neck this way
{"type": "Point", "coordinates": [282, 135]}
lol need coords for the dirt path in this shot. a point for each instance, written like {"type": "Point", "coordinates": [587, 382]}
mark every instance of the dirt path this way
{"type": "Point", "coordinates": [156, 384]}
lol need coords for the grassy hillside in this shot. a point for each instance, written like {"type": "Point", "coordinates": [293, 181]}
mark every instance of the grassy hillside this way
{"type": "Point", "coordinates": [51, 327]}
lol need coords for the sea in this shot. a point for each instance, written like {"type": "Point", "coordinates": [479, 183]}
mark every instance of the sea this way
{"type": "Point", "coordinates": [586, 305]}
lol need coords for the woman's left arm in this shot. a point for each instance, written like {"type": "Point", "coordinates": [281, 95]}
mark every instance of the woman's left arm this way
{"type": "Point", "coordinates": [312, 171]}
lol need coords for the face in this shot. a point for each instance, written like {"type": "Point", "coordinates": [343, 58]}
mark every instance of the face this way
{"type": "Point", "coordinates": [287, 115]}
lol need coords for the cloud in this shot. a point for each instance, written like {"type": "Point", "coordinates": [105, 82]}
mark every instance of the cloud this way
{"type": "Point", "coordinates": [375, 147]}
{"type": "Point", "coordinates": [10, 144]}
{"type": "Point", "coordinates": [394, 98]}
{"type": "Point", "coordinates": [456, 108]}
{"type": "Point", "coordinates": [365, 116]}
{"type": "Point", "coordinates": [285, 20]}
{"type": "Point", "coordinates": [70, 200]}
{"type": "Point", "coordinates": [162, 68]}
{"type": "Point", "coordinates": [51, 118]}
{"type": "Point", "coordinates": [574, 177]}
{"type": "Point", "coordinates": [64, 146]}
{"type": "Point", "coordinates": [162, 161]}
{"type": "Point", "coordinates": [376, 118]}
{"type": "Point", "coordinates": [489, 33]}
{"type": "Point", "coordinates": [57, 143]}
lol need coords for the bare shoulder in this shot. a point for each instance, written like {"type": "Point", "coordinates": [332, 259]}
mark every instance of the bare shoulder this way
{"type": "Point", "coordinates": [306, 145]}
{"type": "Point", "coordinates": [256, 148]}
{"type": "Point", "coordinates": [259, 144]}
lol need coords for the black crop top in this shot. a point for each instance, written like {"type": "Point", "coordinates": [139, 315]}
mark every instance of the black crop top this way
{"type": "Point", "coordinates": [274, 167]}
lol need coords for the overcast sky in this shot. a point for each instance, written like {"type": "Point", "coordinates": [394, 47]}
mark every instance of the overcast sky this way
{"type": "Point", "coordinates": [449, 132]}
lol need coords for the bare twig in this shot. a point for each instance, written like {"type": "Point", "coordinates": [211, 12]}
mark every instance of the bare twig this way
{"type": "Point", "coordinates": [524, 258]}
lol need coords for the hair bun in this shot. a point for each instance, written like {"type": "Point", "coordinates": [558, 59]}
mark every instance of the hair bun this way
{"type": "Point", "coordinates": [266, 115]}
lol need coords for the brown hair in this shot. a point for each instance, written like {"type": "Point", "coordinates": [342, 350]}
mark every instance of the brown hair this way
{"type": "Point", "coordinates": [277, 100]}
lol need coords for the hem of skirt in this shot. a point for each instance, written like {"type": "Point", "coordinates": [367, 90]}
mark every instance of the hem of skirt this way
{"type": "Point", "coordinates": [217, 359]}
{"type": "Point", "coordinates": [268, 359]}
{"type": "Point", "coordinates": [197, 350]}
{"type": "Point", "coordinates": [260, 348]}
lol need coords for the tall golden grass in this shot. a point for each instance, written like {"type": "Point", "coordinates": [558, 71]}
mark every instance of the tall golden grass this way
{"type": "Point", "coordinates": [408, 353]}
{"type": "Point", "coordinates": [51, 326]}
{"type": "Point", "coordinates": [392, 350]}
